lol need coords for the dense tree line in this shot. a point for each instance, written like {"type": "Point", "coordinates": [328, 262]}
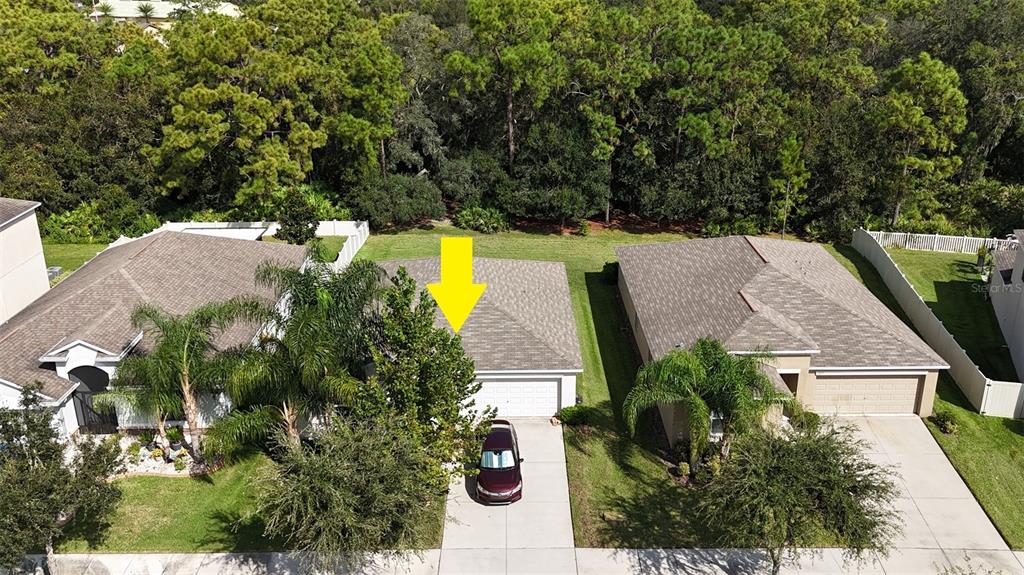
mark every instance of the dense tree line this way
{"type": "Point", "coordinates": [742, 115]}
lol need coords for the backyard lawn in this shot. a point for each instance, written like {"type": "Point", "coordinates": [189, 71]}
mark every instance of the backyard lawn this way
{"type": "Point", "coordinates": [988, 452]}
{"type": "Point", "coordinates": [69, 256]}
{"type": "Point", "coordinates": [608, 472]}
{"type": "Point", "coordinates": [330, 245]}
{"type": "Point", "coordinates": [952, 288]}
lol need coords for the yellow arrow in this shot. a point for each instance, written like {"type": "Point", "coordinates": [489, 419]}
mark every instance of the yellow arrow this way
{"type": "Point", "coordinates": [456, 294]}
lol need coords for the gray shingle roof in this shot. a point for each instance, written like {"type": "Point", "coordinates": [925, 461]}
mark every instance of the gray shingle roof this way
{"type": "Point", "coordinates": [759, 293]}
{"type": "Point", "coordinates": [1004, 261]}
{"type": "Point", "coordinates": [523, 321]}
{"type": "Point", "coordinates": [174, 271]}
{"type": "Point", "coordinates": [11, 208]}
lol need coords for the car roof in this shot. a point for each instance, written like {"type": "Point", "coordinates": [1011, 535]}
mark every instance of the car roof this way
{"type": "Point", "coordinates": [500, 437]}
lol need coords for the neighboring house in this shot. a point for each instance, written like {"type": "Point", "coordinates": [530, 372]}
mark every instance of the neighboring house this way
{"type": "Point", "coordinates": [71, 339]}
{"type": "Point", "coordinates": [22, 266]}
{"type": "Point", "coordinates": [1006, 288]}
{"type": "Point", "coordinates": [837, 348]}
{"type": "Point", "coordinates": [521, 335]}
{"type": "Point", "coordinates": [162, 13]}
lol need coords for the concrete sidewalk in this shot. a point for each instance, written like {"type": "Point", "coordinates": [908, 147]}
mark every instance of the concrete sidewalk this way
{"type": "Point", "coordinates": [586, 562]}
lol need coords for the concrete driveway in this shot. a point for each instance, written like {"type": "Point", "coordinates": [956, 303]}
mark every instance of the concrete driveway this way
{"type": "Point", "coordinates": [942, 518]}
{"type": "Point", "coordinates": [533, 535]}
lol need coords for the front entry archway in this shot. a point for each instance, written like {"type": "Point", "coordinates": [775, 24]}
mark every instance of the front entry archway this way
{"type": "Point", "coordinates": [91, 380]}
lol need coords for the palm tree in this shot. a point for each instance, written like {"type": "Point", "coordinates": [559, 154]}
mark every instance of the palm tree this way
{"type": "Point", "coordinates": [183, 357]}
{"type": "Point", "coordinates": [146, 10]}
{"type": "Point", "coordinates": [706, 379]}
{"type": "Point", "coordinates": [105, 9]}
{"type": "Point", "coordinates": [138, 385]}
{"type": "Point", "coordinates": [301, 367]}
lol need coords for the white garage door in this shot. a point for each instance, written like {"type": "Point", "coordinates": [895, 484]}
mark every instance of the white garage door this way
{"type": "Point", "coordinates": [897, 394]}
{"type": "Point", "coordinates": [520, 398]}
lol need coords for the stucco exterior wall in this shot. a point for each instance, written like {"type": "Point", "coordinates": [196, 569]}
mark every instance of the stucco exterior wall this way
{"type": "Point", "coordinates": [10, 396]}
{"type": "Point", "coordinates": [22, 266]}
{"type": "Point", "coordinates": [634, 320]}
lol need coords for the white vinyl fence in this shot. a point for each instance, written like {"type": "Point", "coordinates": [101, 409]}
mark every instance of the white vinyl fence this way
{"type": "Point", "coordinates": [356, 232]}
{"type": "Point", "coordinates": [989, 397]}
{"type": "Point", "coordinates": [940, 243]}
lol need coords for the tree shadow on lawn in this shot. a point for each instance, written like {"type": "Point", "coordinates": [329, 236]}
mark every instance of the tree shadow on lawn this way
{"type": "Point", "coordinates": [656, 513]}
{"type": "Point", "coordinates": [619, 357]}
{"type": "Point", "coordinates": [240, 533]}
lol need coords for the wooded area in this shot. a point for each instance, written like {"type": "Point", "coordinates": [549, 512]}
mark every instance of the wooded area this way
{"type": "Point", "coordinates": [738, 116]}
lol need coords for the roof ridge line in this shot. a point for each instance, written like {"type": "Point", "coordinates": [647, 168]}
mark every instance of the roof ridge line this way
{"type": "Point", "coordinates": [756, 250]}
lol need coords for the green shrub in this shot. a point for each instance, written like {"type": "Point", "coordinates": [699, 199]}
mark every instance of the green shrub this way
{"type": "Point", "coordinates": [583, 229]}
{"type": "Point", "coordinates": [175, 434]}
{"type": "Point", "coordinates": [574, 415]}
{"type": "Point", "coordinates": [133, 452]}
{"type": "Point", "coordinates": [325, 209]}
{"type": "Point", "coordinates": [180, 464]}
{"type": "Point", "coordinates": [484, 220]}
{"type": "Point", "coordinates": [803, 419]}
{"type": "Point", "coordinates": [684, 469]}
{"type": "Point", "coordinates": [297, 218]}
{"type": "Point", "coordinates": [146, 437]}
{"type": "Point", "coordinates": [946, 421]}
{"type": "Point", "coordinates": [397, 200]}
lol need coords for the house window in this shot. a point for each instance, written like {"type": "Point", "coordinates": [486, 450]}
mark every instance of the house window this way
{"type": "Point", "coordinates": [717, 426]}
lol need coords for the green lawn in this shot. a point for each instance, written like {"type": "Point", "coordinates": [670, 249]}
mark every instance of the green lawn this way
{"type": "Point", "coordinates": [607, 471]}
{"type": "Point", "coordinates": [952, 288]}
{"type": "Point", "coordinates": [193, 515]}
{"type": "Point", "coordinates": [69, 256]}
{"type": "Point", "coordinates": [331, 245]}
{"type": "Point", "coordinates": [988, 452]}
{"type": "Point", "coordinates": [172, 514]}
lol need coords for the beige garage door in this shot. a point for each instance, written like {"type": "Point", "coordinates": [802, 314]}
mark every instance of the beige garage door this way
{"type": "Point", "coordinates": [853, 394]}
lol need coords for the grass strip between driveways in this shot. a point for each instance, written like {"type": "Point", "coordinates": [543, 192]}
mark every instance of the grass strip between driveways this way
{"type": "Point", "coordinates": [988, 452]}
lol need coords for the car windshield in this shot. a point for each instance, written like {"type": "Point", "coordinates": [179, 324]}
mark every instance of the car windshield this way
{"type": "Point", "coordinates": [498, 459]}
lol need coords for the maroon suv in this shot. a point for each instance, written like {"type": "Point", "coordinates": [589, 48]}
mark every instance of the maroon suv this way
{"type": "Point", "coordinates": [500, 479]}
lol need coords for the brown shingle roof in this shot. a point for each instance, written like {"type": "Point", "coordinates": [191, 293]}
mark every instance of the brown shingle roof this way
{"type": "Point", "coordinates": [524, 319]}
{"type": "Point", "coordinates": [11, 208]}
{"type": "Point", "coordinates": [174, 271]}
{"type": "Point", "coordinates": [759, 293]}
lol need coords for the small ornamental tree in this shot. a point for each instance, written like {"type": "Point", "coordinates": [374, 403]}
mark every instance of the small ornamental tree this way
{"type": "Point", "coordinates": [786, 490]}
{"type": "Point", "coordinates": [347, 492]}
{"type": "Point", "coordinates": [298, 219]}
{"type": "Point", "coordinates": [424, 376]}
{"type": "Point", "coordinates": [42, 490]}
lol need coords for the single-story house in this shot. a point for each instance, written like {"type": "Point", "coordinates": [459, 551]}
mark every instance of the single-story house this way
{"type": "Point", "coordinates": [22, 266]}
{"type": "Point", "coordinates": [161, 13]}
{"type": "Point", "coordinates": [837, 348]}
{"type": "Point", "coordinates": [521, 335]}
{"type": "Point", "coordinates": [71, 338]}
{"type": "Point", "coordinates": [1006, 289]}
